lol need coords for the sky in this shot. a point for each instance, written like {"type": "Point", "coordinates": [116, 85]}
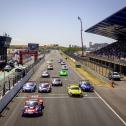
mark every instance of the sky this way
{"type": "Point", "coordinates": [54, 21]}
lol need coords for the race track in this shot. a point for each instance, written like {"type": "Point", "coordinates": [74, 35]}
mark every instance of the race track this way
{"type": "Point", "coordinates": [60, 109]}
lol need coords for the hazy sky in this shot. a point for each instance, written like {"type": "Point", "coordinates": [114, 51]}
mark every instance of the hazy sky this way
{"type": "Point", "coordinates": [54, 21]}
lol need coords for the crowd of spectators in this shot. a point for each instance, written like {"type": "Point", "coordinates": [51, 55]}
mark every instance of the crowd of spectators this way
{"type": "Point", "coordinates": [115, 51]}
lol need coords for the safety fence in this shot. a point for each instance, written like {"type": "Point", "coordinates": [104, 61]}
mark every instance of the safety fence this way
{"type": "Point", "coordinates": [90, 67]}
{"type": "Point", "coordinates": [11, 88]}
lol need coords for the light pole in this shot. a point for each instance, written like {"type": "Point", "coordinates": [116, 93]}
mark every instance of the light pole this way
{"type": "Point", "coordinates": [81, 36]}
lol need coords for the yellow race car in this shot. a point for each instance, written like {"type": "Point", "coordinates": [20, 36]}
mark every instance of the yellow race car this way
{"type": "Point", "coordinates": [75, 90]}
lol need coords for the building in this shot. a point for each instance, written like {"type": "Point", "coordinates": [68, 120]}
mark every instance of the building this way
{"type": "Point", "coordinates": [4, 44]}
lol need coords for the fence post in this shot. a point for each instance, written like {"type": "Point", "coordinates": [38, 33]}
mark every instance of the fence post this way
{"type": "Point", "coordinates": [4, 90]}
{"type": "Point", "coordinates": [9, 83]}
{"type": "Point", "coordinates": [13, 81]}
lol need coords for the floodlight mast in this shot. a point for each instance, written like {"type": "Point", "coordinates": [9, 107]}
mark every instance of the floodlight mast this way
{"type": "Point", "coordinates": [81, 37]}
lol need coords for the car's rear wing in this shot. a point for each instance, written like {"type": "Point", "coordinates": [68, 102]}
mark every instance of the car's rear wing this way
{"type": "Point", "coordinates": [35, 98]}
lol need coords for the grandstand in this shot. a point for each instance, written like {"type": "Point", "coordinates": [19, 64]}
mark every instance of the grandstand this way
{"type": "Point", "coordinates": [115, 51]}
{"type": "Point", "coordinates": [114, 54]}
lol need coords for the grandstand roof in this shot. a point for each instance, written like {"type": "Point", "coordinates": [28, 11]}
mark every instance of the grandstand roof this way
{"type": "Point", "coordinates": [113, 27]}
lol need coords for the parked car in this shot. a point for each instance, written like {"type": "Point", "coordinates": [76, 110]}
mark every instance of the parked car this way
{"type": "Point", "coordinates": [20, 72]}
{"type": "Point", "coordinates": [11, 63]}
{"type": "Point", "coordinates": [7, 68]}
{"type": "Point", "coordinates": [114, 76]}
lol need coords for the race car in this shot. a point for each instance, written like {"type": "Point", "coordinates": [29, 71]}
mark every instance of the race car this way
{"type": "Point", "coordinates": [44, 86]}
{"type": "Point", "coordinates": [50, 67]}
{"type": "Point", "coordinates": [64, 67]}
{"type": "Point", "coordinates": [45, 74]}
{"type": "Point", "coordinates": [60, 60]}
{"type": "Point", "coordinates": [63, 73]}
{"type": "Point", "coordinates": [75, 90]}
{"type": "Point", "coordinates": [56, 81]}
{"type": "Point", "coordinates": [29, 86]}
{"type": "Point", "coordinates": [63, 63]}
{"type": "Point", "coordinates": [85, 85]}
{"type": "Point", "coordinates": [114, 76]}
{"type": "Point", "coordinates": [49, 62]}
{"type": "Point", "coordinates": [33, 106]}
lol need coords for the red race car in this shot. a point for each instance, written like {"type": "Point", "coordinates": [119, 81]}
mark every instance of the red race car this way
{"type": "Point", "coordinates": [33, 106]}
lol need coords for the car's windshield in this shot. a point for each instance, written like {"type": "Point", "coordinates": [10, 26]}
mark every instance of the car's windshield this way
{"type": "Point", "coordinates": [18, 70]}
{"type": "Point", "coordinates": [31, 103]}
{"type": "Point", "coordinates": [56, 79]}
{"type": "Point", "coordinates": [63, 71]}
{"type": "Point", "coordinates": [44, 85]}
{"type": "Point", "coordinates": [86, 83]}
{"type": "Point", "coordinates": [74, 88]}
{"type": "Point", "coordinates": [29, 84]}
{"type": "Point", "coordinates": [45, 72]}
{"type": "Point", "coordinates": [115, 74]}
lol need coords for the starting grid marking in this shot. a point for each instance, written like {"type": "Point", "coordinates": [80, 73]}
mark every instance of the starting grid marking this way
{"type": "Point", "coordinates": [59, 96]}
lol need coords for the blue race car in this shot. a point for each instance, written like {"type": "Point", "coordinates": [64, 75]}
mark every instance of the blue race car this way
{"type": "Point", "coordinates": [30, 86]}
{"type": "Point", "coordinates": [85, 85]}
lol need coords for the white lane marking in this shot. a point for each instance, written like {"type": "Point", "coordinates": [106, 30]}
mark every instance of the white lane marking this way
{"type": "Point", "coordinates": [91, 97]}
{"type": "Point", "coordinates": [56, 94]}
{"type": "Point", "coordinates": [121, 119]}
{"type": "Point", "coordinates": [46, 97]}
{"type": "Point", "coordinates": [0, 97]}
{"type": "Point", "coordinates": [59, 97]}
{"type": "Point", "coordinates": [111, 108]}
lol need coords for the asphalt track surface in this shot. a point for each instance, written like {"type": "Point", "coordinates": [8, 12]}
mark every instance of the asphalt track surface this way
{"type": "Point", "coordinates": [60, 109]}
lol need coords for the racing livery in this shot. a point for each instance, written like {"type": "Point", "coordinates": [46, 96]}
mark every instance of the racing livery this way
{"type": "Point", "coordinates": [33, 106]}
{"type": "Point", "coordinates": [63, 73]}
{"type": "Point", "coordinates": [56, 81]}
{"type": "Point", "coordinates": [75, 90]}
{"type": "Point", "coordinates": [44, 86]}
{"type": "Point", "coordinates": [85, 85]}
{"type": "Point", "coordinates": [45, 74]}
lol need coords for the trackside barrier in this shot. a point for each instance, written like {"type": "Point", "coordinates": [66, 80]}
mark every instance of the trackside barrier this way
{"type": "Point", "coordinates": [90, 70]}
{"type": "Point", "coordinates": [12, 93]}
